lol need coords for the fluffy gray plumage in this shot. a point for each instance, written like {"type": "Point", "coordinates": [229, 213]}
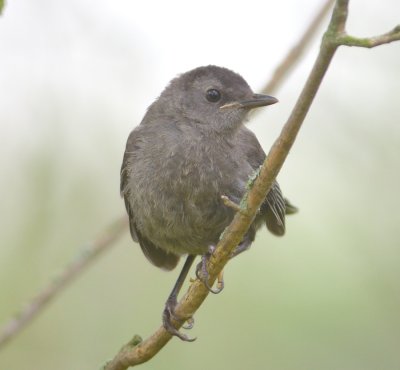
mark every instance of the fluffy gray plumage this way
{"type": "Point", "coordinates": [184, 155]}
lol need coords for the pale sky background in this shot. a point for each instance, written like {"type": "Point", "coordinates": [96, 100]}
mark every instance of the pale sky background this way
{"type": "Point", "coordinates": [121, 54]}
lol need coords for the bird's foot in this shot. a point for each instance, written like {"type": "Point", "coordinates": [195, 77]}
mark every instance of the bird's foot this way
{"type": "Point", "coordinates": [203, 275]}
{"type": "Point", "coordinates": [242, 247]}
{"type": "Point", "coordinates": [169, 316]}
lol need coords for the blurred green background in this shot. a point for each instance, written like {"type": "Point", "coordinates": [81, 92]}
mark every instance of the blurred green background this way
{"type": "Point", "coordinates": [77, 76]}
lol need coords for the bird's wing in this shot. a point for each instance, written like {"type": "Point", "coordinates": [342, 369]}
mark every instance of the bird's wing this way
{"type": "Point", "coordinates": [275, 210]}
{"type": "Point", "coordinates": [275, 205]}
{"type": "Point", "coordinates": [155, 255]}
{"type": "Point", "coordinates": [247, 140]}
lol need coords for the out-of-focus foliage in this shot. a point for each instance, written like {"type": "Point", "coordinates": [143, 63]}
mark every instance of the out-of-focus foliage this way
{"type": "Point", "coordinates": [73, 82]}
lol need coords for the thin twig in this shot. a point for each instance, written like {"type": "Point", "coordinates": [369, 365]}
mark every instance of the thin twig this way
{"type": "Point", "coordinates": [386, 38]}
{"type": "Point", "coordinates": [229, 203]}
{"type": "Point", "coordinates": [23, 318]}
{"type": "Point", "coordinates": [132, 355]}
{"type": "Point", "coordinates": [45, 296]}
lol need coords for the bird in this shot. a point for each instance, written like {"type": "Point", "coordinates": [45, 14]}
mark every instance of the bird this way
{"type": "Point", "coordinates": [191, 148]}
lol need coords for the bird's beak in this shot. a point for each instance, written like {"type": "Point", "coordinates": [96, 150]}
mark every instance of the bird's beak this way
{"type": "Point", "coordinates": [258, 100]}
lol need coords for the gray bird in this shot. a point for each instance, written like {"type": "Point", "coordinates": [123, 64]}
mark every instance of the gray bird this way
{"type": "Point", "coordinates": [190, 149]}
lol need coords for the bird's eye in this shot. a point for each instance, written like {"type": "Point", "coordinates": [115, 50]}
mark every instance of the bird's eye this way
{"type": "Point", "coordinates": [213, 95]}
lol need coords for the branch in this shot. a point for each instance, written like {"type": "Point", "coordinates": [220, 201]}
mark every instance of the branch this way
{"type": "Point", "coordinates": [229, 203]}
{"type": "Point", "coordinates": [41, 301]}
{"type": "Point", "coordinates": [386, 38]}
{"type": "Point", "coordinates": [45, 296]}
{"type": "Point", "coordinates": [134, 354]}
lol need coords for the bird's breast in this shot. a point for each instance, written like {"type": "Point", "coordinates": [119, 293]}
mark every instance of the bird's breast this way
{"type": "Point", "coordinates": [179, 204]}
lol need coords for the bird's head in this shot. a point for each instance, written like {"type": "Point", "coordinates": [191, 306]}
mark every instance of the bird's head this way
{"type": "Point", "coordinates": [212, 97]}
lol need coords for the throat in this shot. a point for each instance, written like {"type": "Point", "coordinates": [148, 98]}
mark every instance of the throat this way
{"type": "Point", "coordinates": [220, 131]}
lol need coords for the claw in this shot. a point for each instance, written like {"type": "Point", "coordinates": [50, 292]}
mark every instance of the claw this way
{"type": "Point", "coordinates": [203, 275]}
{"type": "Point", "coordinates": [220, 281]}
{"type": "Point", "coordinates": [189, 323]}
{"type": "Point", "coordinates": [169, 315]}
{"type": "Point", "coordinates": [242, 247]}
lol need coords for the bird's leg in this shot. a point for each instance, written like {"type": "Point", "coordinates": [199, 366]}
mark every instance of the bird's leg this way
{"type": "Point", "coordinates": [170, 304]}
{"type": "Point", "coordinates": [203, 275]}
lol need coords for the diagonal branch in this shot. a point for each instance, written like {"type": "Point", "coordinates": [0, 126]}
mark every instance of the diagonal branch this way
{"type": "Point", "coordinates": [135, 353]}
{"type": "Point", "coordinates": [45, 296]}
{"type": "Point", "coordinates": [295, 53]}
